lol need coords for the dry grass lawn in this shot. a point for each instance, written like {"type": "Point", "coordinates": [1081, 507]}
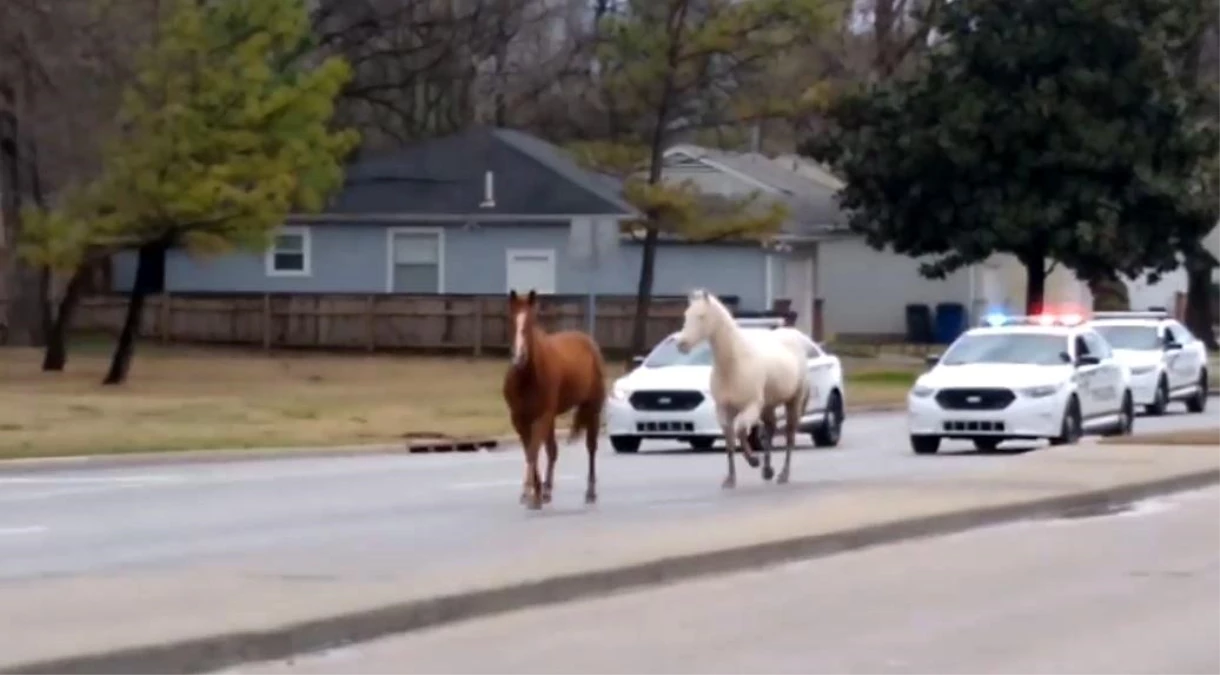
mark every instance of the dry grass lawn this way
{"type": "Point", "coordinates": [179, 399]}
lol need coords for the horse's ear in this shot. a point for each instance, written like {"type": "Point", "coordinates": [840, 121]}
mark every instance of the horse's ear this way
{"type": "Point", "coordinates": [512, 296]}
{"type": "Point", "coordinates": [532, 298]}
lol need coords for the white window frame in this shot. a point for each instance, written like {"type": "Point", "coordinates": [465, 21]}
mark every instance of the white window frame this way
{"type": "Point", "coordinates": [306, 236]}
{"type": "Point", "coordinates": [438, 232]}
{"type": "Point", "coordinates": [548, 253]}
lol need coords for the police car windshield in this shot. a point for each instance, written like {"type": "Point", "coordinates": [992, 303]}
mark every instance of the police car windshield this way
{"type": "Point", "coordinates": [1027, 348]}
{"type": "Point", "coordinates": [1129, 337]}
{"type": "Point", "coordinates": [666, 354]}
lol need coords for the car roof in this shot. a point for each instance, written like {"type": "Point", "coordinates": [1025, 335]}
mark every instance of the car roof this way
{"type": "Point", "coordinates": [1064, 331]}
{"type": "Point", "coordinates": [1128, 322]}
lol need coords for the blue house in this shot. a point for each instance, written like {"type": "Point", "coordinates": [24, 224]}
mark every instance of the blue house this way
{"type": "Point", "coordinates": [480, 212]}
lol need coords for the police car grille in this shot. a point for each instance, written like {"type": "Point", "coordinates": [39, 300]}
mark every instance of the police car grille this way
{"type": "Point", "coordinates": [993, 426]}
{"type": "Point", "coordinates": [666, 400]}
{"type": "Point", "coordinates": [975, 399]}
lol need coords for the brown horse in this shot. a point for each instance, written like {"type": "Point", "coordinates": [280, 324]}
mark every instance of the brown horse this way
{"type": "Point", "coordinates": [550, 375]}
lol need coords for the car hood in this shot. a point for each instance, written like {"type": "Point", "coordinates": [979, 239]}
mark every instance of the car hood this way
{"type": "Point", "coordinates": [671, 377]}
{"type": "Point", "coordinates": [1134, 358]}
{"type": "Point", "coordinates": [1009, 375]}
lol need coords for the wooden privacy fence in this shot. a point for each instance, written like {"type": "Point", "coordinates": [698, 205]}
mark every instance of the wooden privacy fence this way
{"type": "Point", "coordinates": [457, 323]}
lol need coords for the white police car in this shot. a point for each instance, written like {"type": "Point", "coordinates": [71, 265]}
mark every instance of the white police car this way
{"type": "Point", "coordinates": [1167, 363]}
{"type": "Point", "coordinates": [1037, 377]}
{"type": "Point", "coordinates": [667, 396]}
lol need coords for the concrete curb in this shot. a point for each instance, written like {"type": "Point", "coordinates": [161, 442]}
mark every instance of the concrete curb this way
{"type": "Point", "coordinates": [226, 650]}
{"type": "Point", "coordinates": [212, 456]}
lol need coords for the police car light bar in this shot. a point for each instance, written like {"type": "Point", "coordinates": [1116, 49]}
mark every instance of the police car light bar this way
{"type": "Point", "coordinates": [1067, 319]}
{"type": "Point", "coordinates": [1151, 314]}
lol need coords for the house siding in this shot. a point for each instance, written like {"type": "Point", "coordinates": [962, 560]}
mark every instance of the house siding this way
{"type": "Point", "coordinates": [866, 291]}
{"type": "Point", "coordinates": [352, 258]}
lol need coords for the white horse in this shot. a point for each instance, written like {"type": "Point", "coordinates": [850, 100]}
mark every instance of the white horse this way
{"type": "Point", "coordinates": [751, 375]}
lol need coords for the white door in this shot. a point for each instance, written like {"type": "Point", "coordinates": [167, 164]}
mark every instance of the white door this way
{"type": "Point", "coordinates": [530, 269]}
{"type": "Point", "coordinates": [798, 287]}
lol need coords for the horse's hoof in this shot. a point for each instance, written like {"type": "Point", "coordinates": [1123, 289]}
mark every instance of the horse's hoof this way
{"type": "Point", "coordinates": [524, 498]}
{"type": "Point", "coordinates": [782, 479]}
{"type": "Point", "coordinates": [768, 473]}
{"type": "Point", "coordinates": [533, 504]}
{"type": "Point", "coordinates": [590, 497]}
{"type": "Point", "coordinates": [752, 461]}
{"type": "Point", "coordinates": [729, 483]}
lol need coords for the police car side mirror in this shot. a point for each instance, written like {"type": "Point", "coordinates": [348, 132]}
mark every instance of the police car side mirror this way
{"type": "Point", "coordinates": [1170, 346]}
{"type": "Point", "coordinates": [637, 361]}
{"type": "Point", "coordinates": [1087, 360]}
{"type": "Point", "coordinates": [932, 359]}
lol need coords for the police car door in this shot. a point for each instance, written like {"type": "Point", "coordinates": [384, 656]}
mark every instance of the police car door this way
{"type": "Point", "coordinates": [1086, 378]}
{"type": "Point", "coordinates": [1108, 378]}
{"type": "Point", "coordinates": [1182, 362]}
{"type": "Point", "coordinates": [820, 372]}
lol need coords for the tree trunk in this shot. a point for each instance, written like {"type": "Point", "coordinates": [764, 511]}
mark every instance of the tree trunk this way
{"type": "Point", "coordinates": [648, 257]}
{"type": "Point", "coordinates": [1035, 283]}
{"type": "Point", "coordinates": [56, 356]}
{"type": "Point", "coordinates": [1200, 318]}
{"type": "Point", "coordinates": [123, 351]}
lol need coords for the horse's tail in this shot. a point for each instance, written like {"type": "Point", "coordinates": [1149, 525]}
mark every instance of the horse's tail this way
{"type": "Point", "coordinates": [588, 413]}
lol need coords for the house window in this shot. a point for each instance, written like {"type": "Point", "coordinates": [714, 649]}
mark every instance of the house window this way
{"type": "Point", "coordinates": [527, 269]}
{"type": "Point", "coordinates": [416, 261]}
{"type": "Point", "coordinates": [289, 255]}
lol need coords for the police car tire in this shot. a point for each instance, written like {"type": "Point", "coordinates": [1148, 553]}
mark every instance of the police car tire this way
{"type": "Point", "coordinates": [986, 444]}
{"type": "Point", "coordinates": [925, 445]}
{"type": "Point", "coordinates": [827, 434]}
{"type": "Point", "coordinates": [625, 444]}
{"type": "Point", "coordinates": [702, 443]}
{"type": "Point", "coordinates": [1126, 422]}
{"type": "Point", "coordinates": [1070, 430]}
{"type": "Point", "coordinates": [1198, 402]}
{"type": "Point", "coordinates": [1158, 405]}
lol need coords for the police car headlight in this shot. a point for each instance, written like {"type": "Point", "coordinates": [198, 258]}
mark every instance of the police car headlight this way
{"type": "Point", "coordinates": [1142, 370]}
{"type": "Point", "coordinates": [619, 392]}
{"type": "Point", "coordinates": [920, 391]}
{"type": "Point", "coordinates": [1040, 392]}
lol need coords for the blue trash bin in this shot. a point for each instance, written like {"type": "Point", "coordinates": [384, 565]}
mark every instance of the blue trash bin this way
{"type": "Point", "coordinates": [950, 321]}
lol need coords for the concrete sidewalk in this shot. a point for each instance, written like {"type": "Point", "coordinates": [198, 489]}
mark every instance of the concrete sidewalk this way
{"type": "Point", "coordinates": [196, 619]}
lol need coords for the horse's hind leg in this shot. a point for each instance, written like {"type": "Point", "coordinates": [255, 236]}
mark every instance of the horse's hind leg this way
{"type": "Point", "coordinates": [742, 424]}
{"type": "Point", "coordinates": [592, 424]}
{"type": "Point", "coordinates": [552, 455]}
{"type": "Point", "coordinates": [766, 431]}
{"type": "Point", "coordinates": [792, 412]}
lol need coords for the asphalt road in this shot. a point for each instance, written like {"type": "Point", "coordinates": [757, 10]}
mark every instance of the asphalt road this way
{"type": "Point", "coordinates": [1137, 592]}
{"type": "Point", "coordinates": [367, 514]}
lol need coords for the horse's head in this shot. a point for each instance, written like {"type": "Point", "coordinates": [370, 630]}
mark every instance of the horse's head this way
{"type": "Point", "coordinates": [697, 322]}
{"type": "Point", "coordinates": [521, 318]}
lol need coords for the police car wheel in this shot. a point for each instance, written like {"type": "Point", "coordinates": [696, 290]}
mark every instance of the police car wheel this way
{"type": "Point", "coordinates": [1198, 402]}
{"type": "Point", "coordinates": [827, 434]}
{"type": "Point", "coordinates": [925, 445]}
{"type": "Point", "coordinates": [1071, 430]}
{"type": "Point", "coordinates": [986, 444]}
{"type": "Point", "coordinates": [625, 444]}
{"type": "Point", "coordinates": [1126, 418]}
{"type": "Point", "coordinates": [1158, 405]}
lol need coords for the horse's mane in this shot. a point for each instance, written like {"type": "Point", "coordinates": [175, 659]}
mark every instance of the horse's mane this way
{"type": "Point", "coordinates": [722, 312]}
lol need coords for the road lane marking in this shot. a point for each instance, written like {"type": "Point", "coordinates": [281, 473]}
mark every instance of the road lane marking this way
{"type": "Point", "coordinates": [88, 480]}
{"type": "Point", "coordinates": [28, 529]}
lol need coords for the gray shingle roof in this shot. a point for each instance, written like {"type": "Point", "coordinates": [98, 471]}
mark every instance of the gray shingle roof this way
{"type": "Point", "coordinates": [811, 203]}
{"type": "Point", "coordinates": [445, 176]}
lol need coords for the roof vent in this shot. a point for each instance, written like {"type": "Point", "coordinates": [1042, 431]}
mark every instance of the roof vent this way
{"type": "Point", "coordinates": [489, 191]}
